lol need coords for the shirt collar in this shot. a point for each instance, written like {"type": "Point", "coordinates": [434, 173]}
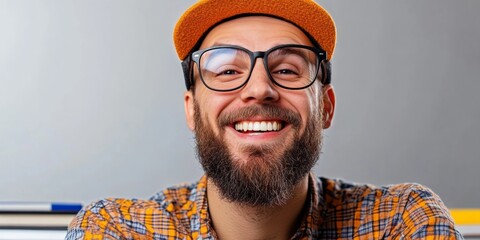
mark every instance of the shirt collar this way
{"type": "Point", "coordinates": [205, 228]}
{"type": "Point", "coordinates": [314, 211]}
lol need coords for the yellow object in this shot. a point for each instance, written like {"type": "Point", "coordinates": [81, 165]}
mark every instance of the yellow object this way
{"type": "Point", "coordinates": [465, 216]}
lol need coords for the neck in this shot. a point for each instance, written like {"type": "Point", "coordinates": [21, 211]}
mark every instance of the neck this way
{"type": "Point", "coordinates": [231, 220]}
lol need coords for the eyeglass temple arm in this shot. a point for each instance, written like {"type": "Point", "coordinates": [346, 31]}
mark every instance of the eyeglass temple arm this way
{"type": "Point", "coordinates": [187, 73]}
{"type": "Point", "coordinates": [326, 72]}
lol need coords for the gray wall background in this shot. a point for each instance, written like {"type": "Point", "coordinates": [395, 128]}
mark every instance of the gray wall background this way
{"type": "Point", "coordinates": [91, 98]}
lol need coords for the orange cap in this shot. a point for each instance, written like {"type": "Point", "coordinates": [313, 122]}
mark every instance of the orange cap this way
{"type": "Point", "coordinates": [203, 15]}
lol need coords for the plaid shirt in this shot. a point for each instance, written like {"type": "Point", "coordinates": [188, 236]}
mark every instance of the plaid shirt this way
{"type": "Point", "coordinates": [335, 210]}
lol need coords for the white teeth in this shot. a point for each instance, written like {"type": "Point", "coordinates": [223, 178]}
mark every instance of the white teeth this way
{"type": "Point", "coordinates": [256, 126]}
{"type": "Point", "coordinates": [263, 126]}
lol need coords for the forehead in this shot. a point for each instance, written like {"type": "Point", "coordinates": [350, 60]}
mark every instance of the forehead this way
{"type": "Point", "coordinates": [255, 33]}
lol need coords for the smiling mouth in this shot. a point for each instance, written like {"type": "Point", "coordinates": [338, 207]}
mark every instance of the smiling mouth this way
{"type": "Point", "coordinates": [258, 126]}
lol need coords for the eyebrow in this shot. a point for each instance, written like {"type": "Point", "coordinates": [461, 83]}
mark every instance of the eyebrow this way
{"type": "Point", "coordinates": [296, 52]}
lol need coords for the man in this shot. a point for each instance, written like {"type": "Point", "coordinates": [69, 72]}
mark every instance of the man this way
{"type": "Point", "coordinates": [258, 97]}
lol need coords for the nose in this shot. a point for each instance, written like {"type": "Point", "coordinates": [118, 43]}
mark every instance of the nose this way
{"type": "Point", "coordinates": [259, 87]}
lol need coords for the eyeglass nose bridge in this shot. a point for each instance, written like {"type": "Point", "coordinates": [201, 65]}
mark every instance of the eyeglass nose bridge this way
{"type": "Point", "coordinates": [256, 55]}
{"type": "Point", "coordinates": [253, 58]}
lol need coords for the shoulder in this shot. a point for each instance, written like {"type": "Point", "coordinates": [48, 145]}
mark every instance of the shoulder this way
{"type": "Point", "coordinates": [407, 209]}
{"type": "Point", "coordinates": [340, 192]}
{"type": "Point", "coordinates": [115, 218]}
{"type": "Point", "coordinates": [177, 196]}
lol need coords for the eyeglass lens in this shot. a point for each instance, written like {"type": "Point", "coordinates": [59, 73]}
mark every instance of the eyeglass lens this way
{"type": "Point", "coordinates": [228, 68]}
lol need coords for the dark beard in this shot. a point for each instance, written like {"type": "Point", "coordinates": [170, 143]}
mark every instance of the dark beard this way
{"type": "Point", "coordinates": [261, 181]}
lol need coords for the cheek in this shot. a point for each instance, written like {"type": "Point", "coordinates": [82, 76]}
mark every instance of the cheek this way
{"type": "Point", "coordinates": [314, 96]}
{"type": "Point", "coordinates": [307, 103]}
{"type": "Point", "coordinates": [310, 109]}
{"type": "Point", "coordinates": [211, 105]}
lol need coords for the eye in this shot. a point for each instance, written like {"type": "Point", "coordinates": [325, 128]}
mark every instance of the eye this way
{"type": "Point", "coordinates": [285, 71]}
{"type": "Point", "coordinates": [228, 72]}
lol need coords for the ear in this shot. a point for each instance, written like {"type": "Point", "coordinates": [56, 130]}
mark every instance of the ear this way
{"type": "Point", "coordinates": [189, 109]}
{"type": "Point", "coordinates": [328, 99]}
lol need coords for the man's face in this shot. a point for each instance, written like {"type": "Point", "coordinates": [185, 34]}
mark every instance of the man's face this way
{"type": "Point", "coordinates": [256, 167]}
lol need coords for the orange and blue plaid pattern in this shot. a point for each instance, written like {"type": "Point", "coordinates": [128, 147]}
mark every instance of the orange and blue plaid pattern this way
{"type": "Point", "coordinates": [335, 210]}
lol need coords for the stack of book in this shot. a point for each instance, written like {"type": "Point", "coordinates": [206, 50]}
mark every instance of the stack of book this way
{"type": "Point", "coordinates": [22, 220]}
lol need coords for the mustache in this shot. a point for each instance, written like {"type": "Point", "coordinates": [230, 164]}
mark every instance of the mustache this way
{"type": "Point", "coordinates": [269, 111]}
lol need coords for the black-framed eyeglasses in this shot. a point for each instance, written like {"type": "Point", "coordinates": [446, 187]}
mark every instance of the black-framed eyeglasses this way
{"type": "Point", "coordinates": [227, 68]}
